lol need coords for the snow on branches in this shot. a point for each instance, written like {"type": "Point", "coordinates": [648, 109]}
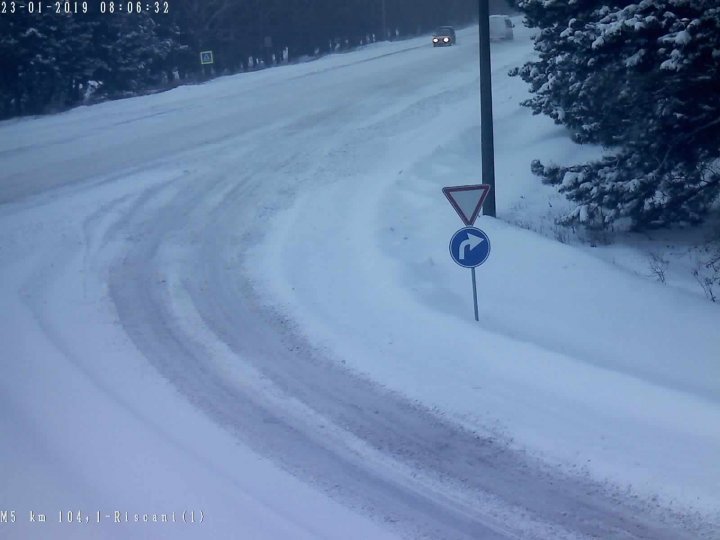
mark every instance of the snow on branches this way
{"type": "Point", "coordinates": [643, 80]}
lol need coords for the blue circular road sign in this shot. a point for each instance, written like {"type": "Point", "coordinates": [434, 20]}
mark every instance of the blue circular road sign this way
{"type": "Point", "coordinates": [470, 247]}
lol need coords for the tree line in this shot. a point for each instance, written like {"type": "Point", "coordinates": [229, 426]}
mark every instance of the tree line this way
{"type": "Point", "coordinates": [51, 61]}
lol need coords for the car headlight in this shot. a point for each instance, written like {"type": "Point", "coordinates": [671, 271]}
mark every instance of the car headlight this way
{"type": "Point", "coordinates": [446, 39]}
{"type": "Point", "coordinates": [435, 40]}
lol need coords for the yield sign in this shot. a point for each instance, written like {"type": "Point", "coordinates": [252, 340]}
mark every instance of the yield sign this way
{"type": "Point", "coordinates": [467, 200]}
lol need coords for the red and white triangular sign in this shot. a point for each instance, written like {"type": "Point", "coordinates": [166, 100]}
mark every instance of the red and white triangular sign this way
{"type": "Point", "coordinates": [467, 200]}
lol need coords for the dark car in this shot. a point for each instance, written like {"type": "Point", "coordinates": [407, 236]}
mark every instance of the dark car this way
{"type": "Point", "coordinates": [443, 36]}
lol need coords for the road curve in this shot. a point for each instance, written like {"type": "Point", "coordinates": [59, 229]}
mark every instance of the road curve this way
{"type": "Point", "coordinates": [175, 254]}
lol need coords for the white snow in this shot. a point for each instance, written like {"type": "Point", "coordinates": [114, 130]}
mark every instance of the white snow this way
{"type": "Point", "coordinates": [674, 63]}
{"type": "Point", "coordinates": [635, 59]}
{"type": "Point", "coordinates": [89, 426]}
{"type": "Point", "coordinates": [575, 360]}
{"type": "Point", "coordinates": [683, 38]}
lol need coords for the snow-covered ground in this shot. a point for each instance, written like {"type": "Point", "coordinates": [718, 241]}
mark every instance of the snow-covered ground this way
{"type": "Point", "coordinates": [236, 300]}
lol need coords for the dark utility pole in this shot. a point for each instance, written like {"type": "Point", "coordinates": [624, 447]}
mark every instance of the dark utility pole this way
{"type": "Point", "coordinates": [486, 118]}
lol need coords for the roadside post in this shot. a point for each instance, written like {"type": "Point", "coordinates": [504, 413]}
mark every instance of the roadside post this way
{"type": "Point", "coordinates": [206, 59]}
{"type": "Point", "coordinates": [487, 144]}
{"type": "Point", "coordinates": [268, 50]}
{"type": "Point", "coordinates": [470, 246]}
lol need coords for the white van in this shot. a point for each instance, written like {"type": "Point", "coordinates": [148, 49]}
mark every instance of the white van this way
{"type": "Point", "coordinates": [501, 27]}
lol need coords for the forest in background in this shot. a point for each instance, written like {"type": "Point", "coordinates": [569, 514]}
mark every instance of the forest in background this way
{"type": "Point", "coordinates": [50, 62]}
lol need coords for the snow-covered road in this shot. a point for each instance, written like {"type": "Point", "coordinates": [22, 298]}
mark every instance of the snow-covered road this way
{"type": "Point", "coordinates": [203, 310]}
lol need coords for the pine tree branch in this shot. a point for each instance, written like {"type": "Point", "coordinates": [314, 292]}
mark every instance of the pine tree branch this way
{"type": "Point", "coordinates": [702, 128]}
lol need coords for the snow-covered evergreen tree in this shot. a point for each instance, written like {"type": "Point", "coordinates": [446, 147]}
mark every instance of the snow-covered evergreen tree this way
{"type": "Point", "coordinates": [44, 61]}
{"type": "Point", "coordinates": [642, 79]}
{"type": "Point", "coordinates": [49, 61]}
{"type": "Point", "coordinates": [131, 53]}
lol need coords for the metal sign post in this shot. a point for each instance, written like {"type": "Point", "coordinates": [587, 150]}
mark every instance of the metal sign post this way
{"type": "Point", "coordinates": [206, 59]}
{"type": "Point", "coordinates": [477, 318]}
{"type": "Point", "coordinates": [469, 247]}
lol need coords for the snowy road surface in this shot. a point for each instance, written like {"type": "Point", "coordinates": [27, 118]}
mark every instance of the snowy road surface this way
{"type": "Point", "coordinates": [223, 300]}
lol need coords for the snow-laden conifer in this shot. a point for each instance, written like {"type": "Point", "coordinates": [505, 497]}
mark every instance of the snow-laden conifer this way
{"type": "Point", "coordinates": [643, 80]}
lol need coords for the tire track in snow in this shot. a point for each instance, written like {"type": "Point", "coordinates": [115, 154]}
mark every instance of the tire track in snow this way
{"type": "Point", "coordinates": [533, 502]}
{"type": "Point", "coordinates": [177, 285]}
